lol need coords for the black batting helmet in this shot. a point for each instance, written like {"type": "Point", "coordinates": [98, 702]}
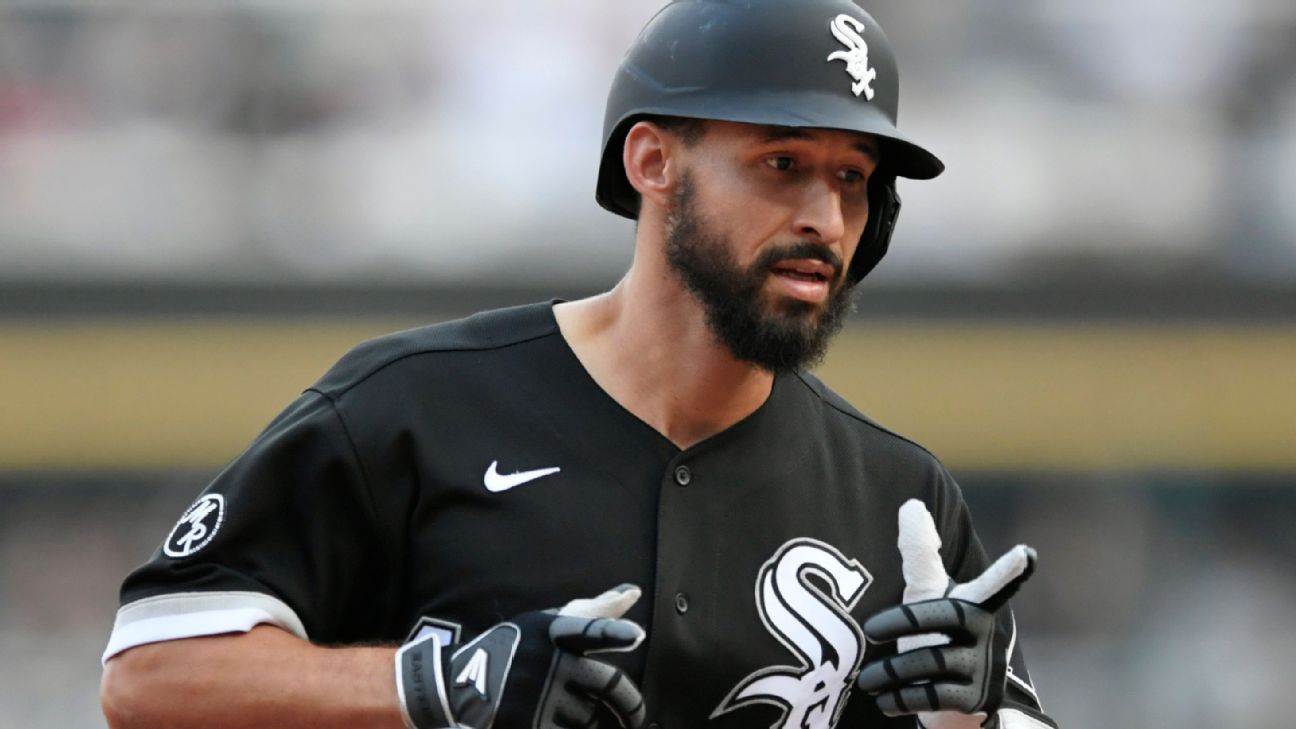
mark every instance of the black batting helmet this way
{"type": "Point", "coordinates": [795, 63]}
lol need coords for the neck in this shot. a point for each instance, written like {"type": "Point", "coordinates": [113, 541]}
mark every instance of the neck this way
{"type": "Point", "coordinates": [647, 344]}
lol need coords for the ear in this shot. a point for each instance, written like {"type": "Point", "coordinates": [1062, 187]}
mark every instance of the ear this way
{"type": "Point", "coordinates": [648, 162]}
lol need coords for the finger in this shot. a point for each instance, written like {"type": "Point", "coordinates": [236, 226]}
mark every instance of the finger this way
{"type": "Point", "coordinates": [569, 710]}
{"type": "Point", "coordinates": [930, 697]}
{"type": "Point", "coordinates": [919, 544]}
{"type": "Point", "coordinates": [611, 687]}
{"type": "Point", "coordinates": [611, 604]}
{"type": "Point", "coordinates": [955, 618]}
{"type": "Point", "coordinates": [925, 664]}
{"type": "Point", "coordinates": [583, 635]}
{"type": "Point", "coordinates": [1001, 580]}
{"type": "Point", "coordinates": [909, 700]}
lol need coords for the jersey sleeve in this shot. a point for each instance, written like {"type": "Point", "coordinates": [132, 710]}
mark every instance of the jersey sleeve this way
{"type": "Point", "coordinates": [965, 559]}
{"type": "Point", "coordinates": [287, 535]}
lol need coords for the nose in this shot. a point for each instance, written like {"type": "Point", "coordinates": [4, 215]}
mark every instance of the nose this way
{"type": "Point", "coordinates": [820, 216]}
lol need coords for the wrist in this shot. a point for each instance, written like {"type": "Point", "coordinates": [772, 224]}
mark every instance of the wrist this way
{"type": "Point", "coordinates": [951, 720]}
{"type": "Point", "coordinates": [420, 684]}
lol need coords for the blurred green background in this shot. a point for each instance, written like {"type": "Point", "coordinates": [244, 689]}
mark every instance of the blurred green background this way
{"type": "Point", "coordinates": [1091, 317]}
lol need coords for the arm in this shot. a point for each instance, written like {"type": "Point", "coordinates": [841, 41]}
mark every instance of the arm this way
{"type": "Point", "coordinates": [265, 677]}
{"type": "Point", "coordinates": [530, 671]}
{"type": "Point", "coordinates": [293, 542]}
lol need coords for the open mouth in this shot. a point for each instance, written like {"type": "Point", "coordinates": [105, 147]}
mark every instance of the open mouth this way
{"type": "Point", "coordinates": [806, 270]}
{"type": "Point", "coordinates": [811, 277]}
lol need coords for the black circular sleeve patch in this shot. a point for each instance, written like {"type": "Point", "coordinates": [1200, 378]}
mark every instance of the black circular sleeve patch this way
{"type": "Point", "coordinates": [196, 527]}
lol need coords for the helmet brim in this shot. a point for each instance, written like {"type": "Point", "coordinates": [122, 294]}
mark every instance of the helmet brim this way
{"type": "Point", "coordinates": [900, 156]}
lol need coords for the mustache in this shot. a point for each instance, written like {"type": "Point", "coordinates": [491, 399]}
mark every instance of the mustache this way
{"type": "Point", "coordinates": [803, 250]}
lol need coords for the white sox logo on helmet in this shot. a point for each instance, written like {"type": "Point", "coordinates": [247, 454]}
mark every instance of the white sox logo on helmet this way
{"type": "Point", "coordinates": [847, 30]}
{"type": "Point", "coordinates": [815, 626]}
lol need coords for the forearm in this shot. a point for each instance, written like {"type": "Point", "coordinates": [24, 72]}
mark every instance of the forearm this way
{"type": "Point", "coordinates": [266, 677]}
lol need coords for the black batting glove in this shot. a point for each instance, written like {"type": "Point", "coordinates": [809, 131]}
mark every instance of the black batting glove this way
{"type": "Point", "coordinates": [951, 667]}
{"type": "Point", "coordinates": [967, 675]}
{"type": "Point", "coordinates": [533, 671]}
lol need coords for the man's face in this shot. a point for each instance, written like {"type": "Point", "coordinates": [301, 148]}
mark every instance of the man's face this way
{"type": "Point", "coordinates": [761, 230]}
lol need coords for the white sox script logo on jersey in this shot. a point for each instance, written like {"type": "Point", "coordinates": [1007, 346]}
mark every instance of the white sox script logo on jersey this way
{"type": "Point", "coordinates": [816, 626]}
{"type": "Point", "coordinates": [847, 30]}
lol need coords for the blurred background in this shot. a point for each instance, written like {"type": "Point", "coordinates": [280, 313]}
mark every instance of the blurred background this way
{"type": "Point", "coordinates": [1091, 317]}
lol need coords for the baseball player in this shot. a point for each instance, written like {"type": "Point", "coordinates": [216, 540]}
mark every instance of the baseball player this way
{"type": "Point", "coordinates": [633, 510]}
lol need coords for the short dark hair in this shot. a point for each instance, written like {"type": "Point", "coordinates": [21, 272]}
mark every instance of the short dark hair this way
{"type": "Point", "coordinates": [688, 129]}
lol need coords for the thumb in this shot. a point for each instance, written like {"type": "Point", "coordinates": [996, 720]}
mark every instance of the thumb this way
{"type": "Point", "coordinates": [924, 573]}
{"type": "Point", "coordinates": [612, 604]}
{"type": "Point", "coordinates": [1000, 580]}
{"type": "Point", "coordinates": [594, 635]}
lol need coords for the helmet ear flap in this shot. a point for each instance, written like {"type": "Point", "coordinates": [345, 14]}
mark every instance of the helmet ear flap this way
{"type": "Point", "coordinates": [884, 209]}
{"type": "Point", "coordinates": [614, 192]}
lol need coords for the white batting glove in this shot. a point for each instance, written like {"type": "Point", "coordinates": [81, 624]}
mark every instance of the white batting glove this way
{"type": "Point", "coordinates": [968, 675]}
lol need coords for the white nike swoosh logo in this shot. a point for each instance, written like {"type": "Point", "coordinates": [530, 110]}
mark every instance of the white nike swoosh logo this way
{"type": "Point", "coordinates": [497, 482]}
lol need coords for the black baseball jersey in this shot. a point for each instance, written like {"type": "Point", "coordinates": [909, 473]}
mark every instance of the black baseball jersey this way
{"type": "Point", "coordinates": [450, 477]}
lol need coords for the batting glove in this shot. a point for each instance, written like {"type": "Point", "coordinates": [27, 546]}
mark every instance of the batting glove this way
{"type": "Point", "coordinates": [532, 671]}
{"type": "Point", "coordinates": [949, 669]}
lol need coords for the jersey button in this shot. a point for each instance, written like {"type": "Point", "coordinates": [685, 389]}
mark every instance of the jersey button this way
{"type": "Point", "coordinates": [683, 475]}
{"type": "Point", "coordinates": [681, 603]}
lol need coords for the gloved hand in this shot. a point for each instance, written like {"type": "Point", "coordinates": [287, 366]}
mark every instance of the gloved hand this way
{"type": "Point", "coordinates": [950, 667]}
{"type": "Point", "coordinates": [532, 671]}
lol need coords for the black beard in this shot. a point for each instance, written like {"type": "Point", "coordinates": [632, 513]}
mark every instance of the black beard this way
{"type": "Point", "coordinates": [780, 336]}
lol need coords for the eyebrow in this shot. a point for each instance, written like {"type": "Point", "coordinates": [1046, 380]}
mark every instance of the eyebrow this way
{"type": "Point", "coordinates": [778, 134]}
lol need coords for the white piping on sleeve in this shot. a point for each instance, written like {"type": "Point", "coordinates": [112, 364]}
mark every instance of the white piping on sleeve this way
{"type": "Point", "coordinates": [1029, 689]}
{"type": "Point", "coordinates": [1022, 683]}
{"type": "Point", "coordinates": [1012, 635]}
{"type": "Point", "coordinates": [194, 614]}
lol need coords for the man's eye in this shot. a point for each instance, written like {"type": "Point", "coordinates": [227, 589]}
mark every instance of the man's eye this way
{"type": "Point", "coordinates": [851, 177]}
{"type": "Point", "coordinates": [783, 164]}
